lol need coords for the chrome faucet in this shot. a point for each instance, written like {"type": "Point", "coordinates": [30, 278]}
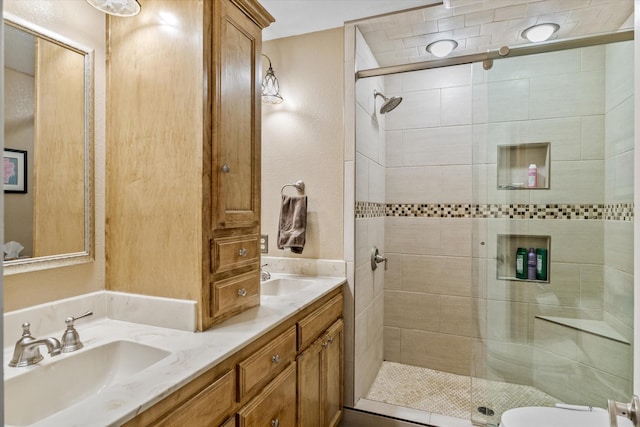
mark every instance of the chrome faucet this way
{"type": "Point", "coordinates": [27, 349]}
{"type": "Point", "coordinates": [264, 274]}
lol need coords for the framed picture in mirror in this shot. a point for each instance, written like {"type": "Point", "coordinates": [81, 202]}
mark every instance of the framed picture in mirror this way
{"type": "Point", "coordinates": [15, 171]}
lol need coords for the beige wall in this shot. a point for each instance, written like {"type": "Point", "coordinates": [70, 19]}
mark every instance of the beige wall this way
{"type": "Point", "coordinates": [79, 22]}
{"type": "Point", "coordinates": [302, 138]}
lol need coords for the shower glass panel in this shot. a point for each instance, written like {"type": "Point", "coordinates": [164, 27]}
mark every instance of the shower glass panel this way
{"type": "Point", "coordinates": [552, 173]}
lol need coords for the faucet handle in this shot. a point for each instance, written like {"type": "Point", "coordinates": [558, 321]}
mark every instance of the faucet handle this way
{"type": "Point", "coordinates": [73, 319]}
{"type": "Point", "coordinates": [71, 339]}
{"type": "Point", "coordinates": [26, 329]}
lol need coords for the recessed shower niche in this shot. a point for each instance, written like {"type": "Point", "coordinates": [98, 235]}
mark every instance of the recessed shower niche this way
{"type": "Point", "coordinates": [514, 162]}
{"type": "Point", "coordinates": [506, 255]}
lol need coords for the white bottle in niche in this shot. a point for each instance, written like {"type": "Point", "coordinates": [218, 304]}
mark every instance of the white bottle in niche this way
{"type": "Point", "coordinates": [533, 176]}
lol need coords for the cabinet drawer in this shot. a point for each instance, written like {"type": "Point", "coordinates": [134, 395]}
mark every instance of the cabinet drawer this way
{"type": "Point", "coordinates": [275, 405]}
{"type": "Point", "coordinates": [314, 324]}
{"type": "Point", "coordinates": [236, 292]}
{"type": "Point", "coordinates": [228, 253]}
{"type": "Point", "coordinates": [212, 403]}
{"type": "Point", "coordinates": [266, 362]}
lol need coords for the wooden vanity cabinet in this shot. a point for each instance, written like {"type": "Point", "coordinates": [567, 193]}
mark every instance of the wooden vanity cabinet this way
{"type": "Point", "coordinates": [183, 153]}
{"type": "Point", "coordinates": [320, 380]}
{"type": "Point", "coordinates": [233, 213]}
{"type": "Point", "coordinates": [262, 365]}
{"type": "Point", "coordinates": [206, 401]}
{"type": "Point", "coordinates": [275, 406]}
{"type": "Point", "coordinates": [207, 407]}
{"type": "Point", "coordinates": [269, 382]}
{"type": "Point", "coordinates": [231, 422]}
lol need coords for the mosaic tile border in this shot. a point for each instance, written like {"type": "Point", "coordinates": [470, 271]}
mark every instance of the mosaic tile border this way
{"type": "Point", "coordinates": [609, 212]}
{"type": "Point", "coordinates": [370, 209]}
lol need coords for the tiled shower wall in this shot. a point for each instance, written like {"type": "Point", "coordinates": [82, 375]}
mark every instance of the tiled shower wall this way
{"type": "Point", "coordinates": [369, 231]}
{"type": "Point", "coordinates": [428, 293]}
{"type": "Point", "coordinates": [444, 307]}
{"type": "Point", "coordinates": [563, 354]}
{"type": "Point", "coordinates": [619, 141]}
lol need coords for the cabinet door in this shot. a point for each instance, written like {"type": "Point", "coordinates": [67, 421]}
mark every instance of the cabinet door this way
{"type": "Point", "coordinates": [310, 385]}
{"type": "Point", "coordinates": [275, 406]}
{"type": "Point", "coordinates": [333, 375]}
{"type": "Point", "coordinates": [237, 47]}
{"type": "Point", "coordinates": [320, 380]}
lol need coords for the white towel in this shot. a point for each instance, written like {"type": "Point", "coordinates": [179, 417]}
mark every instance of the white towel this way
{"type": "Point", "coordinates": [12, 250]}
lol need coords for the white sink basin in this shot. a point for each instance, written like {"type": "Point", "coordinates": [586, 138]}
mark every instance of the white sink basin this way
{"type": "Point", "coordinates": [70, 378]}
{"type": "Point", "coordinates": [282, 286]}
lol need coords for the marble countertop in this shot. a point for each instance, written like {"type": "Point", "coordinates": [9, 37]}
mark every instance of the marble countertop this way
{"type": "Point", "coordinates": [192, 354]}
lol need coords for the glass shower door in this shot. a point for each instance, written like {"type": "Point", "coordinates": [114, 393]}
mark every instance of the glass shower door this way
{"type": "Point", "coordinates": [553, 187]}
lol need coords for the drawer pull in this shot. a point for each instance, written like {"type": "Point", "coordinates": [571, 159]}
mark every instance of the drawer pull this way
{"type": "Point", "coordinates": [330, 340]}
{"type": "Point", "coordinates": [276, 359]}
{"type": "Point", "coordinates": [242, 252]}
{"type": "Point", "coordinates": [325, 344]}
{"type": "Point", "coordinates": [275, 423]}
{"type": "Point", "coordinates": [226, 168]}
{"type": "Point", "coordinates": [242, 292]}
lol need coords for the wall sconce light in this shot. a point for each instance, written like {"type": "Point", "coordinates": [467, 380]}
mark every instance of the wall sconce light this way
{"type": "Point", "coordinates": [442, 48]}
{"type": "Point", "coordinates": [270, 86]}
{"type": "Point", "coordinates": [117, 7]}
{"type": "Point", "coordinates": [540, 32]}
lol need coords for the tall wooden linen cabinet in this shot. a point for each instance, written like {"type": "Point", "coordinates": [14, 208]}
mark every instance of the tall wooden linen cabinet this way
{"type": "Point", "coordinates": [183, 153]}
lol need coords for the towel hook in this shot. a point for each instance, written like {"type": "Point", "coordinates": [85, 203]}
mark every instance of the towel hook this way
{"type": "Point", "coordinates": [299, 185]}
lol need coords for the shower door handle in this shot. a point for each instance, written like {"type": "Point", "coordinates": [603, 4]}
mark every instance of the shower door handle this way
{"type": "Point", "coordinates": [627, 410]}
{"type": "Point", "coordinates": [376, 259]}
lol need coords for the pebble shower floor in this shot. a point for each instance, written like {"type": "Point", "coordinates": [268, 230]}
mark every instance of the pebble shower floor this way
{"type": "Point", "coordinates": [450, 394]}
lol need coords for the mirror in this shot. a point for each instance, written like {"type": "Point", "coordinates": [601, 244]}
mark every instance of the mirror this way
{"type": "Point", "coordinates": [48, 146]}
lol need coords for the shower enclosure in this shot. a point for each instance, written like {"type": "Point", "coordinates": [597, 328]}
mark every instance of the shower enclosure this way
{"type": "Point", "coordinates": [479, 160]}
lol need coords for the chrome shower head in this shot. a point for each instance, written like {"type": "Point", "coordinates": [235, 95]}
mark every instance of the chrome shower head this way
{"type": "Point", "coordinates": [389, 103]}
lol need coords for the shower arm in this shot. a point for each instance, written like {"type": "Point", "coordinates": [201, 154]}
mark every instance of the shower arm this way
{"type": "Point", "coordinates": [376, 93]}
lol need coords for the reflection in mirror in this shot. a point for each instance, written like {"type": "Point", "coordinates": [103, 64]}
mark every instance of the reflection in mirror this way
{"type": "Point", "coordinates": [47, 174]}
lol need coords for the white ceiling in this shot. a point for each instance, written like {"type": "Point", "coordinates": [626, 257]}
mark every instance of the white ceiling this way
{"type": "Point", "coordinates": [481, 25]}
{"type": "Point", "coordinates": [477, 25]}
{"type": "Point", "coordinates": [294, 17]}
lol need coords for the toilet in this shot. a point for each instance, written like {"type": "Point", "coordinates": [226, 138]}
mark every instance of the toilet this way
{"type": "Point", "coordinates": [539, 416]}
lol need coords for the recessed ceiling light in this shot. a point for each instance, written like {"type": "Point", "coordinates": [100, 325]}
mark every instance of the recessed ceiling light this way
{"type": "Point", "coordinates": [117, 7]}
{"type": "Point", "coordinates": [442, 48]}
{"type": "Point", "coordinates": [540, 32]}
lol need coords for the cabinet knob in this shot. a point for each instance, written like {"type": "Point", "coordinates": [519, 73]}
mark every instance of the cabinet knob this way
{"type": "Point", "coordinates": [276, 358]}
{"type": "Point", "coordinates": [242, 252]}
{"type": "Point", "coordinates": [325, 344]}
{"type": "Point", "coordinates": [242, 292]}
{"type": "Point", "coordinates": [226, 168]}
{"type": "Point", "coordinates": [275, 423]}
{"type": "Point", "coordinates": [330, 340]}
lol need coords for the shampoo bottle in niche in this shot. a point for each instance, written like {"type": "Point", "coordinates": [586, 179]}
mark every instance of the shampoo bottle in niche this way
{"type": "Point", "coordinates": [541, 264]}
{"type": "Point", "coordinates": [521, 263]}
{"type": "Point", "coordinates": [533, 176]}
{"type": "Point", "coordinates": [532, 263]}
